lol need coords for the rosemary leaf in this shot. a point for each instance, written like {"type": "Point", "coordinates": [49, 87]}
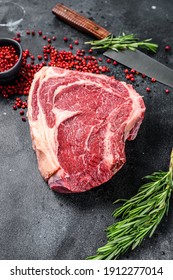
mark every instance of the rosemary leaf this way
{"type": "Point", "coordinates": [123, 42]}
{"type": "Point", "coordinates": [139, 216]}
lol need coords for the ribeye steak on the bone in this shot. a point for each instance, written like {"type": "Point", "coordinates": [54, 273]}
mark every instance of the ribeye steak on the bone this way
{"type": "Point", "coordinates": [79, 123]}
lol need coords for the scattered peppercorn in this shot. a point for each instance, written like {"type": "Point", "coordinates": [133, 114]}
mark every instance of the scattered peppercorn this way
{"type": "Point", "coordinates": [77, 61]}
{"type": "Point", "coordinates": [126, 71]}
{"type": "Point", "coordinates": [39, 57]}
{"type": "Point", "coordinates": [128, 77]}
{"type": "Point", "coordinates": [22, 112]}
{"type": "Point", "coordinates": [108, 60]}
{"type": "Point", "coordinates": [153, 80]}
{"type": "Point", "coordinates": [133, 71]}
{"type": "Point", "coordinates": [148, 89]}
{"type": "Point", "coordinates": [167, 48]}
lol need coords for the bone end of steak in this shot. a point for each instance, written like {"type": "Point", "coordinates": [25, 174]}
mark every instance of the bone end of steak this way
{"type": "Point", "coordinates": [56, 184]}
{"type": "Point", "coordinates": [79, 123]}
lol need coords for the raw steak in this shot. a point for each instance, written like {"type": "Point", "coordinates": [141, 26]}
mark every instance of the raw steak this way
{"type": "Point", "coordinates": [79, 123]}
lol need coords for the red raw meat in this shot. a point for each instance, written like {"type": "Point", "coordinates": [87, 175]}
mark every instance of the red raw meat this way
{"type": "Point", "coordinates": [79, 123]}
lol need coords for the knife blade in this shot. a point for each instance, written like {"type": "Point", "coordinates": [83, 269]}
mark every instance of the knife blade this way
{"type": "Point", "coordinates": [143, 64]}
{"type": "Point", "coordinates": [132, 59]}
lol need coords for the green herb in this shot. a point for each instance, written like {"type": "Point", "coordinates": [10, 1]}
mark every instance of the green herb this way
{"type": "Point", "coordinates": [123, 42]}
{"type": "Point", "coordinates": [138, 216]}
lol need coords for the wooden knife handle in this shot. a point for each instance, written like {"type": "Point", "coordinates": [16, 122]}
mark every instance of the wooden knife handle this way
{"type": "Point", "coordinates": [79, 22]}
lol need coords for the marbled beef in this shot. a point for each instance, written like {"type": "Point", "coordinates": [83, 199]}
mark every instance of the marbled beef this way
{"type": "Point", "coordinates": [79, 123]}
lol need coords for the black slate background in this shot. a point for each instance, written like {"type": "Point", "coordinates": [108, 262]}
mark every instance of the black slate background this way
{"type": "Point", "coordinates": [36, 223]}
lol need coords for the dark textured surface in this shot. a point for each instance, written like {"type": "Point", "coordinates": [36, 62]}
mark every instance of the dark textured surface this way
{"type": "Point", "coordinates": [36, 223]}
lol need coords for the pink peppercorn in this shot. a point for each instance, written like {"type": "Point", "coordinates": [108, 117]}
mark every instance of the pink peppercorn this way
{"type": "Point", "coordinates": [108, 60]}
{"type": "Point", "coordinates": [133, 71]}
{"type": "Point", "coordinates": [148, 89]}
{"type": "Point", "coordinates": [39, 57]}
{"type": "Point", "coordinates": [8, 58]}
{"type": "Point", "coordinates": [167, 48]}
{"type": "Point", "coordinates": [128, 77]}
{"type": "Point", "coordinates": [167, 91]}
{"type": "Point", "coordinates": [18, 40]}
{"type": "Point", "coordinates": [22, 112]}
{"type": "Point", "coordinates": [153, 80]}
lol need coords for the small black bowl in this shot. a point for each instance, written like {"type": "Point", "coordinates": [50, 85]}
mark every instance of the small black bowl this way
{"type": "Point", "coordinates": [9, 75]}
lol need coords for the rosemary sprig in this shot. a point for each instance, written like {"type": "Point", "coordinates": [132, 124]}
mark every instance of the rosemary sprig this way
{"type": "Point", "coordinates": [138, 216]}
{"type": "Point", "coordinates": [123, 42]}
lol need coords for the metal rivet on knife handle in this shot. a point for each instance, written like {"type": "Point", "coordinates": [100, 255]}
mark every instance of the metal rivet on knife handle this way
{"type": "Point", "coordinates": [79, 22]}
